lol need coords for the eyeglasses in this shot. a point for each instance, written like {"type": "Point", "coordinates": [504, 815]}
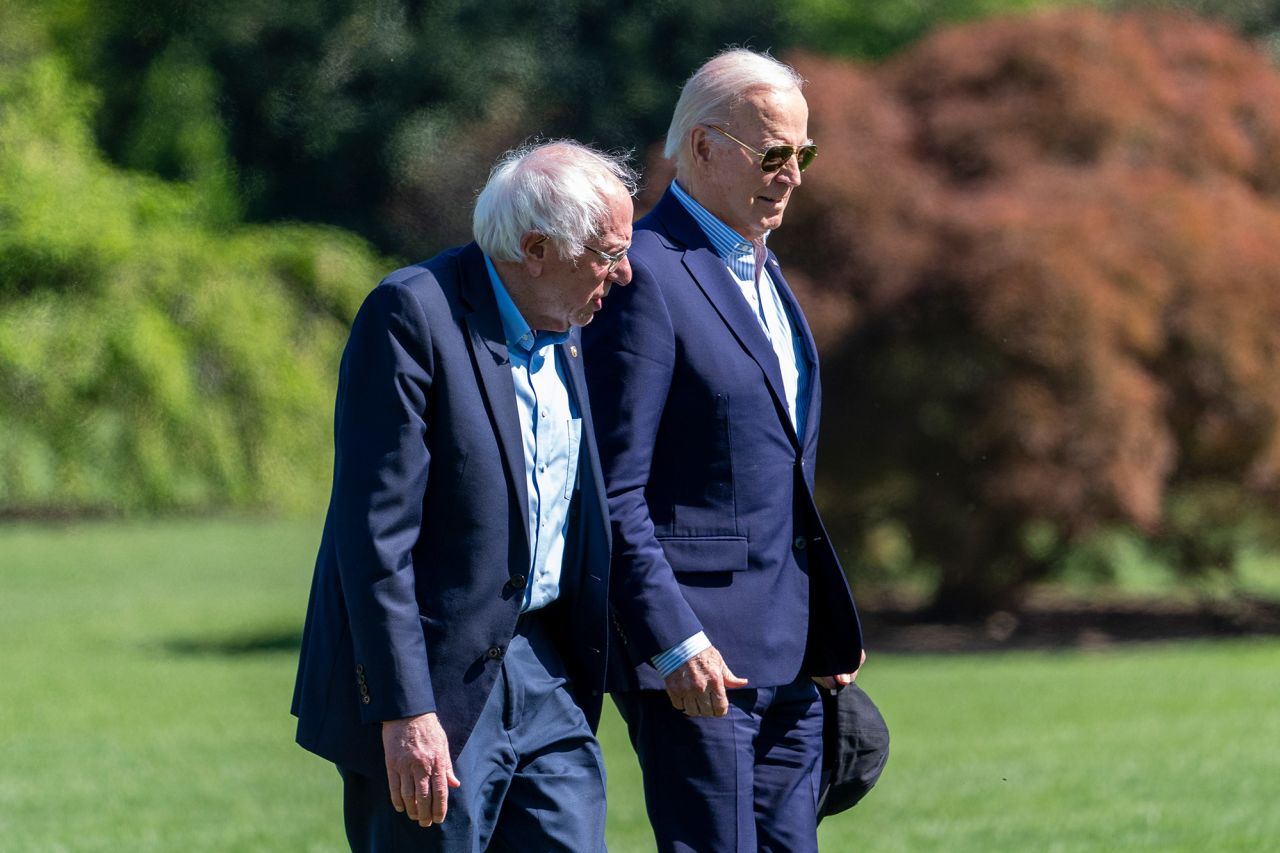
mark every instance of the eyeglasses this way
{"type": "Point", "coordinates": [775, 157]}
{"type": "Point", "coordinates": [612, 260]}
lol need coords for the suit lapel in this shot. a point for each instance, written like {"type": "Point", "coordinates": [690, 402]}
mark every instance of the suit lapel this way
{"type": "Point", "coordinates": [716, 282]}
{"type": "Point", "coordinates": [492, 362]}
{"type": "Point", "coordinates": [570, 352]}
{"type": "Point", "coordinates": [575, 381]}
{"type": "Point", "coordinates": [801, 326]}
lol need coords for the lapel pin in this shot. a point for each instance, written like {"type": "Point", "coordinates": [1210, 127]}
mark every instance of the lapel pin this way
{"type": "Point", "coordinates": [573, 351]}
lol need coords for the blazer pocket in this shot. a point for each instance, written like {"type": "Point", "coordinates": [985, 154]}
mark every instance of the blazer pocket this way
{"type": "Point", "coordinates": [706, 553]}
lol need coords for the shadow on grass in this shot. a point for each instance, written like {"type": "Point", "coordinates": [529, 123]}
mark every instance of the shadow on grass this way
{"type": "Point", "coordinates": [1049, 621]}
{"type": "Point", "coordinates": [274, 641]}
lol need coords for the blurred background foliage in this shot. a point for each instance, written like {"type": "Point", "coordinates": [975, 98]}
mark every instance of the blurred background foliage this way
{"type": "Point", "coordinates": [1039, 250]}
{"type": "Point", "coordinates": [1049, 260]}
{"type": "Point", "coordinates": [155, 353]}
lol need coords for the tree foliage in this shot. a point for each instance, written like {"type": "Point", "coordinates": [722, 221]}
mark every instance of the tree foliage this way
{"type": "Point", "coordinates": [153, 354]}
{"type": "Point", "coordinates": [384, 117]}
{"type": "Point", "coordinates": [1046, 258]}
{"type": "Point", "coordinates": [1040, 253]}
{"type": "Point", "coordinates": [380, 116]}
{"type": "Point", "coordinates": [875, 29]}
{"type": "Point", "coordinates": [1253, 18]}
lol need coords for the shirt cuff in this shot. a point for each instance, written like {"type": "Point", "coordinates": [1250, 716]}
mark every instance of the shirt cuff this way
{"type": "Point", "coordinates": [677, 656]}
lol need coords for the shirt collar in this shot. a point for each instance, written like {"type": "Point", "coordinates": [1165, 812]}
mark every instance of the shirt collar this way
{"type": "Point", "coordinates": [729, 244]}
{"type": "Point", "coordinates": [514, 327]}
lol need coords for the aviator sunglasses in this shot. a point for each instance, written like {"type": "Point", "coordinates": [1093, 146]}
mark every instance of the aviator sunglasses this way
{"type": "Point", "coordinates": [775, 157]}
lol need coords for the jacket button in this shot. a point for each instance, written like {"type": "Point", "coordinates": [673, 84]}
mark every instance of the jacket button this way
{"type": "Point", "coordinates": [494, 652]}
{"type": "Point", "coordinates": [359, 669]}
{"type": "Point", "coordinates": [517, 581]}
{"type": "Point", "coordinates": [801, 543]}
{"type": "Point", "coordinates": [365, 699]}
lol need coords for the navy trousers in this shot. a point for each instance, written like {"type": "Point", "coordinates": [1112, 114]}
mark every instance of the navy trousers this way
{"type": "Point", "coordinates": [745, 782]}
{"type": "Point", "coordinates": [532, 774]}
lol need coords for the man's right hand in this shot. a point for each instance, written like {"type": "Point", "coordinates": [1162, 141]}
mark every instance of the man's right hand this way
{"type": "Point", "coordinates": [419, 769]}
{"type": "Point", "coordinates": [698, 686]}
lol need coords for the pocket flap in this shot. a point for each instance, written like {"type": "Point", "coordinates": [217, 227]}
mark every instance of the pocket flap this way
{"type": "Point", "coordinates": [706, 553]}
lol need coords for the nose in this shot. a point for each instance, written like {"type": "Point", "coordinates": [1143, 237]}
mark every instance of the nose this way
{"type": "Point", "coordinates": [790, 171]}
{"type": "Point", "coordinates": [622, 272]}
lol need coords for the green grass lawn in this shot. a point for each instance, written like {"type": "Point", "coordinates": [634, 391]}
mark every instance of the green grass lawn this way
{"type": "Point", "coordinates": [146, 672]}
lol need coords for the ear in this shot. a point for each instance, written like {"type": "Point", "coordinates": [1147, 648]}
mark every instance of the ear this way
{"type": "Point", "coordinates": [533, 252]}
{"type": "Point", "coordinates": [699, 145]}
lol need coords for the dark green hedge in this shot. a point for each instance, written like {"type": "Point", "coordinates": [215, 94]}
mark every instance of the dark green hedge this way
{"type": "Point", "coordinates": [154, 354]}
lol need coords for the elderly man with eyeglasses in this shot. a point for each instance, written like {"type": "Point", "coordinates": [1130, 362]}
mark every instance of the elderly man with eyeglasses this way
{"type": "Point", "coordinates": [453, 659]}
{"type": "Point", "coordinates": [729, 603]}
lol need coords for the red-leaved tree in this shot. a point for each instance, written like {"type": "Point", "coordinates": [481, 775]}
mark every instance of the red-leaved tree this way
{"type": "Point", "coordinates": [1042, 258]}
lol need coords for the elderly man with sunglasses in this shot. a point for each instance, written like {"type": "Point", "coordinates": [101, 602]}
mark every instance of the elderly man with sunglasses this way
{"type": "Point", "coordinates": [453, 659]}
{"type": "Point", "coordinates": [728, 600]}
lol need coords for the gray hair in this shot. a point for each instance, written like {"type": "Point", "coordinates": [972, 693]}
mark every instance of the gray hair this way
{"type": "Point", "coordinates": [557, 188]}
{"type": "Point", "coordinates": [710, 95]}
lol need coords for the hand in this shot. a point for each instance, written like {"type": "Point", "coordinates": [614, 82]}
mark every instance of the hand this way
{"type": "Point", "coordinates": [698, 686]}
{"type": "Point", "coordinates": [419, 769]}
{"type": "Point", "coordinates": [835, 682]}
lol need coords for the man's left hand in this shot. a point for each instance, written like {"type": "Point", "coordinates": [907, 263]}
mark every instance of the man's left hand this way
{"type": "Point", "coordinates": [835, 682]}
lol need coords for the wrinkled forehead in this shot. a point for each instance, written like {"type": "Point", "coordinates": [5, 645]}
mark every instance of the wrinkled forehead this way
{"type": "Point", "coordinates": [778, 112]}
{"type": "Point", "coordinates": [617, 221]}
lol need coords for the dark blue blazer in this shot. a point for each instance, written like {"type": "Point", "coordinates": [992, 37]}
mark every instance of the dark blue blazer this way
{"type": "Point", "coordinates": [423, 562]}
{"type": "Point", "coordinates": [710, 489]}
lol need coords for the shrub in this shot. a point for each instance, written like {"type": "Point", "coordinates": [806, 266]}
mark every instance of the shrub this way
{"type": "Point", "coordinates": [1046, 258]}
{"type": "Point", "coordinates": [152, 355]}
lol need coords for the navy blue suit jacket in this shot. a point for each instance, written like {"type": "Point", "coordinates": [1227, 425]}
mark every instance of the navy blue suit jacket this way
{"type": "Point", "coordinates": [425, 553]}
{"type": "Point", "coordinates": [710, 488]}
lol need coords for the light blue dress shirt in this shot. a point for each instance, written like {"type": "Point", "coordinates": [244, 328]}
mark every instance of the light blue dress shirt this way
{"type": "Point", "coordinates": [745, 261]}
{"type": "Point", "coordinates": [551, 429]}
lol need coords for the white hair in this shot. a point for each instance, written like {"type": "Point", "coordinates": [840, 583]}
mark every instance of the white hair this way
{"type": "Point", "coordinates": [723, 81]}
{"type": "Point", "coordinates": [559, 188]}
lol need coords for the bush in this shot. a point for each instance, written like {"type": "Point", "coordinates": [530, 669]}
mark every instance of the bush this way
{"type": "Point", "coordinates": [1046, 265]}
{"type": "Point", "coordinates": [152, 354]}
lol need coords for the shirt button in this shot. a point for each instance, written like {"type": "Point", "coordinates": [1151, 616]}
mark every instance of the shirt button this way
{"type": "Point", "coordinates": [801, 543]}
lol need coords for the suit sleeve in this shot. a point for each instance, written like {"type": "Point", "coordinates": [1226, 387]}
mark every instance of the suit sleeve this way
{"type": "Point", "coordinates": [630, 359]}
{"type": "Point", "coordinates": [380, 477]}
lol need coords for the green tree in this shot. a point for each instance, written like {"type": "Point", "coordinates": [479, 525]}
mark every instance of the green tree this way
{"type": "Point", "coordinates": [867, 29]}
{"type": "Point", "coordinates": [153, 354]}
{"type": "Point", "coordinates": [384, 117]}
